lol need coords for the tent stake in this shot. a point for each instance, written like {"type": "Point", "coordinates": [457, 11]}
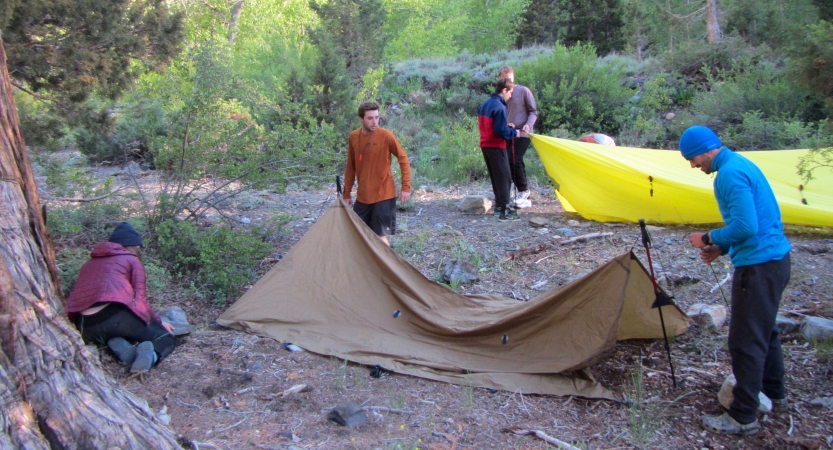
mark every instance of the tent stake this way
{"type": "Point", "coordinates": [661, 299]}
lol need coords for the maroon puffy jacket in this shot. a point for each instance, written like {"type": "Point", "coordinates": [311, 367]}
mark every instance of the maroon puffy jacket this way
{"type": "Point", "coordinates": [113, 274]}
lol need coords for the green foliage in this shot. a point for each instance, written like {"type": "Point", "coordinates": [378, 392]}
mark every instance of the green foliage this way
{"type": "Point", "coordinates": [69, 261]}
{"type": "Point", "coordinates": [92, 45]}
{"type": "Point", "coordinates": [332, 94]}
{"type": "Point", "coordinates": [457, 158]}
{"type": "Point", "coordinates": [221, 259]}
{"type": "Point", "coordinates": [813, 55]}
{"type": "Point", "coordinates": [121, 131]}
{"type": "Point", "coordinates": [769, 22]}
{"type": "Point", "coordinates": [40, 126]}
{"type": "Point", "coordinates": [756, 132]}
{"type": "Point", "coordinates": [441, 29]}
{"type": "Point", "coordinates": [356, 28]}
{"type": "Point", "coordinates": [695, 60]}
{"type": "Point", "coordinates": [600, 22]}
{"type": "Point", "coordinates": [643, 416]}
{"type": "Point", "coordinates": [732, 93]}
{"type": "Point", "coordinates": [574, 92]}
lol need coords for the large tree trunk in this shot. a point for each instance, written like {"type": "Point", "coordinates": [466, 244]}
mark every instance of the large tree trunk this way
{"type": "Point", "coordinates": [53, 391]}
{"type": "Point", "coordinates": [713, 33]}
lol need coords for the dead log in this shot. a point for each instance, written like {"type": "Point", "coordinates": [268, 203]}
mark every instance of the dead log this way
{"type": "Point", "coordinates": [584, 237]}
{"type": "Point", "coordinates": [541, 435]}
{"type": "Point", "coordinates": [53, 392]}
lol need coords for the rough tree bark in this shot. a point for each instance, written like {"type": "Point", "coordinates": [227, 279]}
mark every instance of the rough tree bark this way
{"type": "Point", "coordinates": [53, 392]}
{"type": "Point", "coordinates": [713, 33]}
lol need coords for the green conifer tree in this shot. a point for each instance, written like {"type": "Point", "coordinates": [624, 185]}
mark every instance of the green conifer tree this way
{"type": "Point", "coordinates": [66, 49]}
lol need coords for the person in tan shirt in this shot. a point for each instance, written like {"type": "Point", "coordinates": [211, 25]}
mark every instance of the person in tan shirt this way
{"type": "Point", "coordinates": [369, 153]}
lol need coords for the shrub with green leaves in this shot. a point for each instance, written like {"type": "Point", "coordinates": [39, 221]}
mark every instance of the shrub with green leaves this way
{"type": "Point", "coordinates": [457, 158]}
{"type": "Point", "coordinates": [220, 259]}
{"type": "Point", "coordinates": [574, 92]}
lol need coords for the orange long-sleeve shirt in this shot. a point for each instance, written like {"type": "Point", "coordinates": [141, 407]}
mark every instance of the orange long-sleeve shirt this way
{"type": "Point", "coordinates": [368, 162]}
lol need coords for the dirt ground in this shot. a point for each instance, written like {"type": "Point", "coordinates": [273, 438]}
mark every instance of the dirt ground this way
{"type": "Point", "coordinates": [222, 388]}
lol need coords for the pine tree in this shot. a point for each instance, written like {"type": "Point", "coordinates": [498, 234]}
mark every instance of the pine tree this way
{"type": "Point", "coordinates": [358, 27]}
{"type": "Point", "coordinates": [600, 22]}
{"type": "Point", "coordinates": [66, 49]}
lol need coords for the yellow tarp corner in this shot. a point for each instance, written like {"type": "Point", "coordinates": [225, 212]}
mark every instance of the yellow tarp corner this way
{"type": "Point", "coordinates": [621, 184]}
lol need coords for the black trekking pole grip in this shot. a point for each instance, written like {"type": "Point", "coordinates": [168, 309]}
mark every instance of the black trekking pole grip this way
{"type": "Point", "coordinates": [339, 187]}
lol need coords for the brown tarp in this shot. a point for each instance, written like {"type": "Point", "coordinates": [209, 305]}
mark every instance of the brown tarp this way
{"type": "Point", "coordinates": [337, 292]}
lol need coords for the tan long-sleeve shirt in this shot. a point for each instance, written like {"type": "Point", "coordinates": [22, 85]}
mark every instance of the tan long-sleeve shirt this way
{"type": "Point", "coordinates": [368, 162]}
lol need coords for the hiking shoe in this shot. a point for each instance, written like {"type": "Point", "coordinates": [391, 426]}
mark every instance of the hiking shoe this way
{"type": "Point", "coordinates": [145, 357]}
{"type": "Point", "coordinates": [780, 405]}
{"type": "Point", "coordinates": [125, 352]}
{"type": "Point", "coordinates": [523, 203]}
{"type": "Point", "coordinates": [523, 195]}
{"type": "Point", "coordinates": [725, 424]}
{"type": "Point", "coordinates": [509, 215]}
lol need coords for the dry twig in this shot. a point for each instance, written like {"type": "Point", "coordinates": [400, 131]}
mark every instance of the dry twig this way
{"type": "Point", "coordinates": [541, 435]}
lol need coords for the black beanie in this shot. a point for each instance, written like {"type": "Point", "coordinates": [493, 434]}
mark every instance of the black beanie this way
{"type": "Point", "coordinates": [126, 236]}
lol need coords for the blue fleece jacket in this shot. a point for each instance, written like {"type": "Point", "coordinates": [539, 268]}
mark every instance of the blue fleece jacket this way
{"type": "Point", "coordinates": [491, 119]}
{"type": "Point", "coordinates": [753, 233]}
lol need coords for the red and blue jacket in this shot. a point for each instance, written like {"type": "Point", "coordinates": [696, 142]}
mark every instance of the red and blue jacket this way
{"type": "Point", "coordinates": [491, 118]}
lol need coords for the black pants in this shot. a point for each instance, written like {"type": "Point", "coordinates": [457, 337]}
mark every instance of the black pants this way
{"type": "Point", "coordinates": [754, 344]}
{"type": "Point", "coordinates": [497, 164]}
{"type": "Point", "coordinates": [517, 149]}
{"type": "Point", "coordinates": [117, 320]}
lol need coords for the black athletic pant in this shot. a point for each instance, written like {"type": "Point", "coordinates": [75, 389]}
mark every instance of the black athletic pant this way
{"type": "Point", "coordinates": [517, 149]}
{"type": "Point", "coordinates": [117, 320]}
{"type": "Point", "coordinates": [754, 344]}
{"type": "Point", "coordinates": [497, 164]}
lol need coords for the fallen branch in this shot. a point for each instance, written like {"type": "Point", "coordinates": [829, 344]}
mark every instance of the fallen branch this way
{"type": "Point", "coordinates": [198, 445]}
{"type": "Point", "coordinates": [295, 389]}
{"type": "Point", "coordinates": [385, 409]}
{"type": "Point", "coordinates": [701, 372]}
{"type": "Point", "coordinates": [526, 251]}
{"type": "Point", "coordinates": [447, 437]}
{"type": "Point", "coordinates": [228, 428]}
{"type": "Point", "coordinates": [585, 237]}
{"type": "Point", "coordinates": [722, 282]}
{"type": "Point", "coordinates": [541, 435]}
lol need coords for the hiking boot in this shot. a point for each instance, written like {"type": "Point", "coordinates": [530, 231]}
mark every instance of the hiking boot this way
{"type": "Point", "coordinates": [509, 214]}
{"type": "Point", "coordinates": [125, 352]}
{"type": "Point", "coordinates": [145, 357]}
{"type": "Point", "coordinates": [780, 405]}
{"type": "Point", "coordinates": [725, 424]}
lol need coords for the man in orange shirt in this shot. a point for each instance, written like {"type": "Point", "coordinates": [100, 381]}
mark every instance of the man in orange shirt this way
{"type": "Point", "coordinates": [369, 153]}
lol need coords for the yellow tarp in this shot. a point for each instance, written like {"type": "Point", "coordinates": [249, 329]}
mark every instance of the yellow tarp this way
{"type": "Point", "coordinates": [621, 184]}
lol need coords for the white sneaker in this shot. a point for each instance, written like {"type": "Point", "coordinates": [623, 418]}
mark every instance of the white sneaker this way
{"type": "Point", "coordinates": [521, 204]}
{"type": "Point", "coordinates": [523, 195]}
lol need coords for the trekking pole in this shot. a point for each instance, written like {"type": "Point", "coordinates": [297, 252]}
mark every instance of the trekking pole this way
{"type": "Point", "coordinates": [339, 187]}
{"type": "Point", "coordinates": [661, 298]}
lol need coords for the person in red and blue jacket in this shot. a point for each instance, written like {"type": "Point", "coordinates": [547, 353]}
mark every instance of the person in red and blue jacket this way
{"type": "Point", "coordinates": [494, 132]}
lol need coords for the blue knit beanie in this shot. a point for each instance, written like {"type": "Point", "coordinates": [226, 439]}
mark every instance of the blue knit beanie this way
{"type": "Point", "coordinates": [126, 236]}
{"type": "Point", "coordinates": [698, 140]}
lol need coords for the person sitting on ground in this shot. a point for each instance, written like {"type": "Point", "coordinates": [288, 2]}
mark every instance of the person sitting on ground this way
{"type": "Point", "coordinates": [598, 138]}
{"type": "Point", "coordinates": [109, 303]}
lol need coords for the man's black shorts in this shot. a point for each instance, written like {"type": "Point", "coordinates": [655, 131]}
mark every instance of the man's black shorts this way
{"type": "Point", "coordinates": [379, 216]}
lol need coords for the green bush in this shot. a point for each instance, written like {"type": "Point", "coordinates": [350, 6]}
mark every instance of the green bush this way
{"type": "Point", "coordinates": [69, 261]}
{"type": "Point", "coordinates": [574, 92]}
{"type": "Point", "coordinates": [457, 157]}
{"type": "Point", "coordinates": [756, 132]}
{"type": "Point", "coordinates": [220, 259]}
{"type": "Point", "coordinates": [690, 58]}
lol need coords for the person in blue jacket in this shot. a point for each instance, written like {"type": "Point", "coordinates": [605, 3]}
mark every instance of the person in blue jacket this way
{"type": "Point", "coordinates": [754, 239]}
{"type": "Point", "coordinates": [494, 132]}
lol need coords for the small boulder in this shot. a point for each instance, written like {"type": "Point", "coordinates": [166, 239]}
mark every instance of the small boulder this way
{"type": "Point", "coordinates": [475, 204]}
{"type": "Point", "coordinates": [539, 222]}
{"type": "Point", "coordinates": [786, 325]}
{"type": "Point", "coordinates": [573, 223]}
{"type": "Point", "coordinates": [348, 415]}
{"type": "Point", "coordinates": [670, 116]}
{"type": "Point", "coordinates": [176, 317]}
{"type": "Point", "coordinates": [460, 272]}
{"type": "Point", "coordinates": [817, 328]}
{"type": "Point", "coordinates": [826, 402]}
{"type": "Point", "coordinates": [708, 316]}
{"type": "Point", "coordinates": [566, 232]}
{"type": "Point", "coordinates": [725, 396]}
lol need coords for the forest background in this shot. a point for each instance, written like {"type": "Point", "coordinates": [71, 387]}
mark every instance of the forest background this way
{"type": "Point", "coordinates": [224, 97]}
